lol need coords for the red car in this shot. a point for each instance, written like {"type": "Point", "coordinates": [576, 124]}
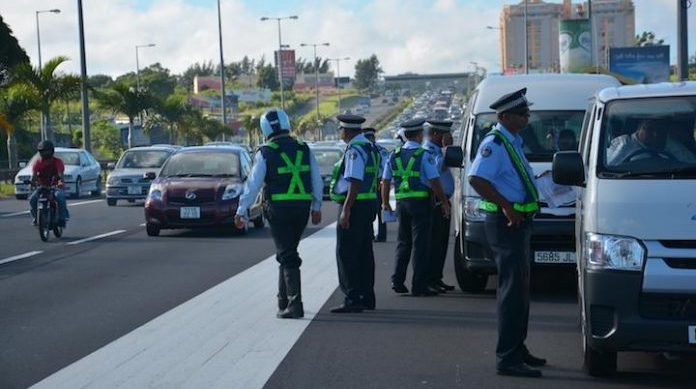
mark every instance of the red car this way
{"type": "Point", "coordinates": [200, 187]}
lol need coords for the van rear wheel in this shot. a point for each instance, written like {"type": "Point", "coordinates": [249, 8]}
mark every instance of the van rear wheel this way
{"type": "Point", "coordinates": [468, 281]}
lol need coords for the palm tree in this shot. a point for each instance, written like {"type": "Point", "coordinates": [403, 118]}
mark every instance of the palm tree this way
{"type": "Point", "coordinates": [44, 86]}
{"type": "Point", "coordinates": [15, 102]}
{"type": "Point", "coordinates": [177, 115]}
{"type": "Point", "coordinates": [125, 99]}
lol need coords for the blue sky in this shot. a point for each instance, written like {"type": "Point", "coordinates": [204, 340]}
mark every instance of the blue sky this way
{"type": "Point", "coordinates": [422, 36]}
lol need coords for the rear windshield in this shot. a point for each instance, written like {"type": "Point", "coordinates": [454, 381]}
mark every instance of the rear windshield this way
{"type": "Point", "coordinates": [143, 159]}
{"type": "Point", "coordinates": [327, 158]}
{"type": "Point", "coordinates": [201, 164]}
{"type": "Point", "coordinates": [548, 132]}
{"type": "Point", "coordinates": [648, 138]}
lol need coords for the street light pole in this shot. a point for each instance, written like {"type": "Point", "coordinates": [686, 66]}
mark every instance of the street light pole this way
{"type": "Point", "coordinates": [137, 64]}
{"type": "Point", "coordinates": [316, 74]}
{"type": "Point", "coordinates": [338, 78]}
{"type": "Point", "coordinates": [526, 40]}
{"type": "Point", "coordinates": [280, 54]}
{"type": "Point", "coordinates": [222, 74]}
{"type": "Point", "coordinates": [86, 134]}
{"type": "Point", "coordinates": [38, 42]}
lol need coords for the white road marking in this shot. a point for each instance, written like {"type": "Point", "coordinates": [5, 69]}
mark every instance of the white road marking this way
{"type": "Point", "coordinates": [69, 205]}
{"type": "Point", "coordinates": [226, 337]}
{"type": "Point", "coordinates": [20, 256]}
{"type": "Point", "coordinates": [15, 214]}
{"type": "Point", "coordinates": [142, 225]}
{"type": "Point", "coordinates": [96, 237]}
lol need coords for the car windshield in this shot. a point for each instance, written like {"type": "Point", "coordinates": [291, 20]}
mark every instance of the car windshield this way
{"type": "Point", "coordinates": [547, 132]}
{"type": "Point", "coordinates": [68, 157]}
{"type": "Point", "coordinates": [649, 138]}
{"type": "Point", "coordinates": [327, 158]}
{"type": "Point", "coordinates": [202, 164]}
{"type": "Point", "coordinates": [142, 159]}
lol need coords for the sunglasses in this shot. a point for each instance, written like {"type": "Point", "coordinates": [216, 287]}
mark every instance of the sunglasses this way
{"type": "Point", "coordinates": [524, 114]}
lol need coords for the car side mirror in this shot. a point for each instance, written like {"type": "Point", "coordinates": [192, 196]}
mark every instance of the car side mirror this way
{"type": "Point", "coordinates": [454, 156]}
{"type": "Point", "coordinates": [567, 168]}
{"type": "Point", "coordinates": [110, 166]}
{"type": "Point", "coordinates": [22, 165]}
{"type": "Point", "coordinates": [150, 175]}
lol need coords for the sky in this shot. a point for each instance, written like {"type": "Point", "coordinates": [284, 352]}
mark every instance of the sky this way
{"type": "Point", "coordinates": [419, 36]}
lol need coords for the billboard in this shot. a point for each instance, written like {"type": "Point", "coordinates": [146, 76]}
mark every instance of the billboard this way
{"type": "Point", "coordinates": [575, 45]}
{"type": "Point", "coordinates": [287, 65]}
{"type": "Point", "coordinates": [645, 64]}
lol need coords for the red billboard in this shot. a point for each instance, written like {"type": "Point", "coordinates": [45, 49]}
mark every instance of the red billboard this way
{"type": "Point", "coordinates": [287, 64]}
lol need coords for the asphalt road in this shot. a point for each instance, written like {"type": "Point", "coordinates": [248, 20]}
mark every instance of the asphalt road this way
{"type": "Point", "coordinates": [70, 300]}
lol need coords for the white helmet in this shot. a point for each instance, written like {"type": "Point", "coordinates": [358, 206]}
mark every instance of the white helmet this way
{"type": "Point", "coordinates": [400, 135]}
{"type": "Point", "coordinates": [274, 121]}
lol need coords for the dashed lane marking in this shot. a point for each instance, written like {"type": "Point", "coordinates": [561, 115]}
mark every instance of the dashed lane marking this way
{"type": "Point", "coordinates": [96, 237]}
{"type": "Point", "coordinates": [20, 256]}
{"type": "Point", "coordinates": [69, 205]}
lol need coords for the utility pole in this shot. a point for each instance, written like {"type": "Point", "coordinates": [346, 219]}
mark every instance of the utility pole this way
{"type": "Point", "coordinates": [682, 40]}
{"type": "Point", "coordinates": [222, 75]}
{"type": "Point", "coordinates": [86, 135]}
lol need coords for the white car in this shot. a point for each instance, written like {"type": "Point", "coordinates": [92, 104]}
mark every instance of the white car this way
{"type": "Point", "coordinates": [82, 173]}
{"type": "Point", "coordinates": [127, 179]}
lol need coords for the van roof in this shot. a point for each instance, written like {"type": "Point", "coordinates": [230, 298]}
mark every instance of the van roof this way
{"type": "Point", "coordinates": [548, 91]}
{"type": "Point", "coordinates": [662, 89]}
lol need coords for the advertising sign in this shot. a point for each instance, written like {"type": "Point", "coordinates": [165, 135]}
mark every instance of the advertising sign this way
{"type": "Point", "coordinates": [644, 65]}
{"type": "Point", "coordinates": [575, 45]}
{"type": "Point", "coordinates": [287, 65]}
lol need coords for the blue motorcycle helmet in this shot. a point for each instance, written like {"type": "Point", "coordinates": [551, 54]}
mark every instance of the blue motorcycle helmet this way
{"type": "Point", "coordinates": [274, 122]}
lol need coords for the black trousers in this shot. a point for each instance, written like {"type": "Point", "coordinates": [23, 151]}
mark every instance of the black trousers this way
{"type": "Point", "coordinates": [439, 239]}
{"type": "Point", "coordinates": [354, 255]}
{"type": "Point", "coordinates": [510, 246]}
{"type": "Point", "coordinates": [414, 232]}
{"type": "Point", "coordinates": [287, 225]}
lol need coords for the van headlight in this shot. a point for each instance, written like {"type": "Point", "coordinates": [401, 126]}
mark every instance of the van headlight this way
{"type": "Point", "coordinates": [232, 191]}
{"type": "Point", "coordinates": [472, 212]}
{"type": "Point", "coordinates": [613, 252]}
{"type": "Point", "coordinates": [112, 180]}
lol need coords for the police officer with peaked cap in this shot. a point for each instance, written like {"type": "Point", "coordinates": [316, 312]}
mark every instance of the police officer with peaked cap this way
{"type": "Point", "coordinates": [503, 177]}
{"type": "Point", "coordinates": [384, 158]}
{"type": "Point", "coordinates": [292, 184]}
{"type": "Point", "coordinates": [440, 136]}
{"type": "Point", "coordinates": [354, 187]}
{"type": "Point", "coordinates": [416, 179]}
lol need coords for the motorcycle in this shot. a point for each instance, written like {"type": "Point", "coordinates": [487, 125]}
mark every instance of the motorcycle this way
{"type": "Point", "coordinates": [47, 213]}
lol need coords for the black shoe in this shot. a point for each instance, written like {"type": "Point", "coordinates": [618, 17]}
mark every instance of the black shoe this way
{"type": "Point", "coordinates": [520, 370]}
{"type": "Point", "coordinates": [533, 361]}
{"type": "Point", "coordinates": [425, 292]}
{"type": "Point", "coordinates": [380, 239]}
{"type": "Point", "coordinates": [399, 288]}
{"type": "Point", "coordinates": [343, 308]}
{"type": "Point", "coordinates": [33, 222]}
{"type": "Point", "coordinates": [444, 286]}
{"type": "Point", "coordinates": [438, 288]}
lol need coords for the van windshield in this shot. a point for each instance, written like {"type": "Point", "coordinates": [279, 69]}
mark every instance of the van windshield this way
{"type": "Point", "coordinates": [648, 138]}
{"type": "Point", "coordinates": [547, 132]}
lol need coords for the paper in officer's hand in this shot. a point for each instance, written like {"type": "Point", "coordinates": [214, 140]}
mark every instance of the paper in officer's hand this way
{"type": "Point", "coordinates": [553, 194]}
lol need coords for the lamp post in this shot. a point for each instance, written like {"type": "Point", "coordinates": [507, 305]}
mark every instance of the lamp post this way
{"type": "Point", "coordinates": [137, 63]}
{"type": "Point", "coordinates": [526, 40]}
{"type": "Point", "coordinates": [280, 51]}
{"type": "Point", "coordinates": [338, 78]}
{"type": "Point", "coordinates": [223, 108]}
{"type": "Point", "coordinates": [38, 42]}
{"type": "Point", "coordinates": [86, 137]}
{"type": "Point", "coordinates": [316, 74]}
{"type": "Point", "coordinates": [502, 66]}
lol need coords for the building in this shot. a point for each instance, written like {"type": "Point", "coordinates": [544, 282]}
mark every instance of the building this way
{"type": "Point", "coordinates": [613, 25]}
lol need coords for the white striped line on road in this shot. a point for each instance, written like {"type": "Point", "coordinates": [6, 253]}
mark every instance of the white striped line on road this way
{"type": "Point", "coordinates": [226, 337]}
{"type": "Point", "coordinates": [96, 237]}
{"type": "Point", "coordinates": [20, 256]}
{"type": "Point", "coordinates": [16, 214]}
{"type": "Point", "coordinates": [69, 205]}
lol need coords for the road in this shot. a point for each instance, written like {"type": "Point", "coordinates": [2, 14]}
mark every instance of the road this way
{"type": "Point", "coordinates": [196, 309]}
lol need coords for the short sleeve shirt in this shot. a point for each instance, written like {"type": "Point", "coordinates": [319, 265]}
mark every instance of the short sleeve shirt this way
{"type": "Point", "coordinates": [48, 169]}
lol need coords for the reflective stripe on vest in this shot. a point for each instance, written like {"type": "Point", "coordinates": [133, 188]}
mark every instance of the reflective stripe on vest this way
{"type": "Point", "coordinates": [531, 206]}
{"type": "Point", "coordinates": [339, 168]}
{"type": "Point", "coordinates": [296, 190]}
{"type": "Point", "coordinates": [404, 191]}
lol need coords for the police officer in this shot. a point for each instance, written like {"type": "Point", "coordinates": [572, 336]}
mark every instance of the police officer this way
{"type": "Point", "coordinates": [293, 185]}
{"type": "Point", "coordinates": [415, 177]}
{"type": "Point", "coordinates": [354, 187]}
{"type": "Point", "coordinates": [384, 158]}
{"type": "Point", "coordinates": [440, 136]}
{"type": "Point", "coordinates": [503, 177]}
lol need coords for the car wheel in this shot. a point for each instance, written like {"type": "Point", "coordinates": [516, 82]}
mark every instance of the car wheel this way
{"type": "Point", "coordinates": [468, 281]}
{"type": "Point", "coordinates": [258, 222]}
{"type": "Point", "coordinates": [111, 202]}
{"type": "Point", "coordinates": [78, 188]}
{"type": "Point", "coordinates": [152, 229]}
{"type": "Point", "coordinates": [97, 192]}
{"type": "Point", "coordinates": [597, 363]}
{"type": "Point", "coordinates": [21, 197]}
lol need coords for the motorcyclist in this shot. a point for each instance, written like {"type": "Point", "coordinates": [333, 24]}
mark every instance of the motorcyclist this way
{"type": "Point", "coordinates": [47, 171]}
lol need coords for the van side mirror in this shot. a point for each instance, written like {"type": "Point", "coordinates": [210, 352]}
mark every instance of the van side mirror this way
{"type": "Point", "coordinates": [454, 156]}
{"type": "Point", "coordinates": [22, 165]}
{"type": "Point", "coordinates": [567, 168]}
{"type": "Point", "coordinates": [150, 176]}
{"type": "Point", "coordinates": [110, 165]}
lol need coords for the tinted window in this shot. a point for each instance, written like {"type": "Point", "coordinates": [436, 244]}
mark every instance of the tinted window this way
{"type": "Point", "coordinates": [327, 158]}
{"type": "Point", "coordinates": [202, 164]}
{"type": "Point", "coordinates": [143, 159]}
{"type": "Point", "coordinates": [69, 157]}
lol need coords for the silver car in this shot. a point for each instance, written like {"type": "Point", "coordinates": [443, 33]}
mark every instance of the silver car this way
{"type": "Point", "coordinates": [127, 180]}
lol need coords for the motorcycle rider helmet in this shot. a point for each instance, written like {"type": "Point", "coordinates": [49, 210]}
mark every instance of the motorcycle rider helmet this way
{"type": "Point", "coordinates": [46, 149]}
{"type": "Point", "coordinates": [274, 121]}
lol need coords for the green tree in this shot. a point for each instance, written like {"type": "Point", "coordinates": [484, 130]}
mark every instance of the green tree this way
{"type": "Point", "coordinates": [647, 38]}
{"type": "Point", "coordinates": [367, 72]}
{"type": "Point", "coordinates": [121, 98]}
{"type": "Point", "coordinates": [180, 118]}
{"type": "Point", "coordinates": [11, 53]}
{"type": "Point", "coordinates": [106, 139]}
{"type": "Point", "coordinates": [100, 81]}
{"type": "Point", "coordinates": [267, 76]}
{"type": "Point", "coordinates": [197, 69]}
{"type": "Point", "coordinates": [44, 86]}
{"type": "Point", "coordinates": [15, 102]}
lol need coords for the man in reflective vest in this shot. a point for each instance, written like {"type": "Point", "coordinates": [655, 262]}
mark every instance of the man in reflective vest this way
{"type": "Point", "coordinates": [384, 158]}
{"type": "Point", "coordinates": [354, 187]}
{"type": "Point", "coordinates": [440, 136]}
{"type": "Point", "coordinates": [504, 178]}
{"type": "Point", "coordinates": [293, 185]}
{"type": "Point", "coordinates": [415, 177]}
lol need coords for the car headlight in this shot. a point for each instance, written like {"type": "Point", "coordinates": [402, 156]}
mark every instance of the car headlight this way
{"type": "Point", "coordinates": [472, 212]}
{"type": "Point", "coordinates": [232, 191]}
{"type": "Point", "coordinates": [21, 179]}
{"type": "Point", "coordinates": [155, 192]}
{"type": "Point", "coordinates": [613, 252]}
{"type": "Point", "coordinates": [112, 180]}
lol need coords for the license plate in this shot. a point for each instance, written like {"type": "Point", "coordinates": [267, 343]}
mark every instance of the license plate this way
{"type": "Point", "coordinates": [692, 334]}
{"type": "Point", "coordinates": [190, 213]}
{"type": "Point", "coordinates": [134, 190]}
{"type": "Point", "coordinates": [554, 257]}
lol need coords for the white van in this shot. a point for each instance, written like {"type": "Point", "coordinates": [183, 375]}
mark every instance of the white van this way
{"type": "Point", "coordinates": [559, 104]}
{"type": "Point", "coordinates": [635, 221]}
